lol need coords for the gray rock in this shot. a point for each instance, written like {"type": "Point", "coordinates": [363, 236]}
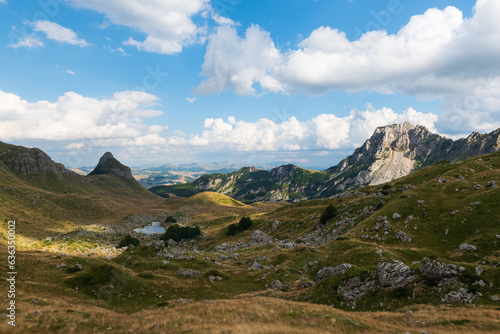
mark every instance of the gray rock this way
{"type": "Point", "coordinates": [401, 236]}
{"type": "Point", "coordinates": [382, 224]}
{"type": "Point", "coordinates": [260, 238]}
{"type": "Point", "coordinates": [478, 270]}
{"type": "Point", "coordinates": [78, 266]}
{"type": "Point", "coordinates": [477, 186]}
{"type": "Point", "coordinates": [495, 298]}
{"type": "Point", "coordinates": [467, 247]}
{"type": "Point", "coordinates": [475, 203]}
{"type": "Point", "coordinates": [256, 265]}
{"type": "Point", "coordinates": [275, 225]}
{"type": "Point", "coordinates": [353, 288]}
{"type": "Point", "coordinates": [188, 273]}
{"type": "Point", "coordinates": [213, 279]}
{"type": "Point", "coordinates": [331, 271]}
{"type": "Point", "coordinates": [37, 312]}
{"type": "Point", "coordinates": [396, 215]}
{"type": "Point", "coordinates": [458, 297]}
{"type": "Point", "coordinates": [62, 265]}
{"type": "Point", "coordinates": [276, 285]}
{"type": "Point", "coordinates": [435, 271]}
{"type": "Point", "coordinates": [491, 185]}
{"type": "Point", "coordinates": [395, 273]}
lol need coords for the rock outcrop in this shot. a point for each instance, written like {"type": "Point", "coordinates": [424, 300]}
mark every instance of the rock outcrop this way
{"type": "Point", "coordinates": [393, 274]}
{"type": "Point", "coordinates": [109, 165]}
{"type": "Point", "coordinates": [435, 271]}
{"type": "Point", "coordinates": [331, 271]}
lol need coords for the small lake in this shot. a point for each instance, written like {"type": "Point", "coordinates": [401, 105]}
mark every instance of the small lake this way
{"type": "Point", "coordinates": [154, 228]}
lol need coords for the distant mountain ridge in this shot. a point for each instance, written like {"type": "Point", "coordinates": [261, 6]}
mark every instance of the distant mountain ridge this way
{"type": "Point", "coordinates": [392, 152]}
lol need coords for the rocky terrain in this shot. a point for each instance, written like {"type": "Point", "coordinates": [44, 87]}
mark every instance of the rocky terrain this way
{"type": "Point", "coordinates": [391, 152]}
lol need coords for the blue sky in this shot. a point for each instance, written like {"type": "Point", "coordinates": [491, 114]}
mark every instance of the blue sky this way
{"type": "Point", "coordinates": [249, 82]}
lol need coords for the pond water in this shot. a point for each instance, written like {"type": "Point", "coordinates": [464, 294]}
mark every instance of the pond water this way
{"type": "Point", "coordinates": [154, 228]}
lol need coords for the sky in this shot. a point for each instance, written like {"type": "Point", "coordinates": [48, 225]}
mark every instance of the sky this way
{"type": "Point", "coordinates": [248, 82]}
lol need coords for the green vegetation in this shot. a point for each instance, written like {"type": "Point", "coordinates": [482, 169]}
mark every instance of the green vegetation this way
{"type": "Point", "coordinates": [170, 219]}
{"type": "Point", "coordinates": [329, 213]}
{"type": "Point", "coordinates": [178, 233]}
{"type": "Point", "coordinates": [244, 224]}
{"type": "Point", "coordinates": [128, 240]}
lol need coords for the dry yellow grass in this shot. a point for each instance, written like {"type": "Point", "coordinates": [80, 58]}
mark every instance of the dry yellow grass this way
{"type": "Point", "coordinates": [248, 315]}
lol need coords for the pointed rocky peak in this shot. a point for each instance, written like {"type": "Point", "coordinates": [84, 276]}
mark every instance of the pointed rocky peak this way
{"type": "Point", "coordinates": [109, 165]}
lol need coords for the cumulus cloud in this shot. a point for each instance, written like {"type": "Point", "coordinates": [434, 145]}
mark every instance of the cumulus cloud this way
{"type": "Point", "coordinates": [325, 131]}
{"type": "Point", "coordinates": [168, 24]}
{"type": "Point", "coordinates": [436, 55]}
{"type": "Point", "coordinates": [59, 33]}
{"type": "Point", "coordinates": [75, 117]}
{"type": "Point", "coordinates": [30, 42]}
{"type": "Point", "coordinates": [231, 61]}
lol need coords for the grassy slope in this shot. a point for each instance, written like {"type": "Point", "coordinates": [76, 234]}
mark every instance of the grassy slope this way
{"type": "Point", "coordinates": [140, 278]}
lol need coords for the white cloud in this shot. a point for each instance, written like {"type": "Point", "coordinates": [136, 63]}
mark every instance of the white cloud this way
{"type": "Point", "coordinates": [75, 117]}
{"type": "Point", "coordinates": [168, 24]}
{"type": "Point", "coordinates": [324, 131]}
{"type": "Point", "coordinates": [70, 72]}
{"type": "Point", "coordinates": [59, 33]}
{"type": "Point", "coordinates": [191, 99]}
{"type": "Point", "coordinates": [436, 55]}
{"type": "Point", "coordinates": [29, 42]}
{"type": "Point", "coordinates": [231, 61]}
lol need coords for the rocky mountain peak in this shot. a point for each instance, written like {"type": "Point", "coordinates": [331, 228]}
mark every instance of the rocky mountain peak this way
{"type": "Point", "coordinates": [108, 164]}
{"type": "Point", "coordinates": [31, 163]}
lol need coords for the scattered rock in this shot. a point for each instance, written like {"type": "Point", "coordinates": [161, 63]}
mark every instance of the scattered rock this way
{"type": "Point", "coordinates": [382, 224]}
{"type": "Point", "coordinates": [379, 252]}
{"type": "Point", "coordinates": [275, 225]}
{"type": "Point", "coordinates": [331, 271]}
{"type": "Point", "coordinates": [62, 265]}
{"type": "Point", "coordinates": [276, 285]}
{"type": "Point", "coordinates": [396, 215]}
{"type": "Point", "coordinates": [37, 312]}
{"type": "Point", "coordinates": [478, 270]}
{"type": "Point", "coordinates": [78, 266]}
{"type": "Point", "coordinates": [458, 297]}
{"type": "Point", "coordinates": [255, 266]}
{"type": "Point", "coordinates": [491, 185]}
{"type": "Point", "coordinates": [213, 279]}
{"type": "Point", "coordinates": [495, 298]}
{"type": "Point", "coordinates": [395, 273]}
{"type": "Point", "coordinates": [475, 203]}
{"type": "Point", "coordinates": [467, 247]}
{"type": "Point", "coordinates": [477, 186]}
{"type": "Point", "coordinates": [260, 238]}
{"type": "Point", "coordinates": [435, 271]}
{"type": "Point", "coordinates": [188, 273]}
{"type": "Point", "coordinates": [401, 236]}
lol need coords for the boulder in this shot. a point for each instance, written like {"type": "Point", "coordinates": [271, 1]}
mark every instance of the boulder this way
{"type": "Point", "coordinates": [401, 236]}
{"type": "Point", "coordinates": [467, 247]}
{"type": "Point", "coordinates": [396, 215]}
{"type": "Point", "coordinates": [478, 270]}
{"type": "Point", "coordinates": [260, 238]}
{"type": "Point", "coordinates": [491, 184]}
{"type": "Point", "coordinates": [188, 273]}
{"type": "Point", "coordinates": [435, 271]}
{"type": "Point", "coordinates": [395, 273]}
{"type": "Point", "coordinates": [382, 224]}
{"type": "Point", "coordinates": [275, 225]}
{"type": "Point", "coordinates": [458, 297]}
{"type": "Point", "coordinates": [331, 271]}
{"type": "Point", "coordinates": [276, 285]}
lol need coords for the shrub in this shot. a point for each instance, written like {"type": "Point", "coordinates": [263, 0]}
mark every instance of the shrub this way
{"type": "Point", "coordinates": [178, 233]}
{"type": "Point", "coordinates": [170, 219]}
{"type": "Point", "coordinates": [244, 224]}
{"type": "Point", "coordinates": [329, 213]}
{"type": "Point", "coordinates": [128, 240]}
{"type": "Point", "coordinates": [386, 186]}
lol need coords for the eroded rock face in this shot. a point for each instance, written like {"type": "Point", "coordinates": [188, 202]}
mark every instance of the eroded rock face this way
{"type": "Point", "coordinates": [108, 164]}
{"type": "Point", "coordinates": [393, 274]}
{"type": "Point", "coordinates": [331, 271]}
{"type": "Point", "coordinates": [354, 288]}
{"type": "Point", "coordinates": [435, 271]}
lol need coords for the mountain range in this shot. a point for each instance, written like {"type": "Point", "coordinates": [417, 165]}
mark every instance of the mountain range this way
{"type": "Point", "coordinates": [391, 152]}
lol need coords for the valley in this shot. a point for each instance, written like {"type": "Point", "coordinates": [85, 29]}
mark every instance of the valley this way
{"type": "Point", "coordinates": [417, 254]}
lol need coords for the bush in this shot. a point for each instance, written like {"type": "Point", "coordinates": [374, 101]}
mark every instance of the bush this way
{"type": "Point", "coordinates": [386, 186]}
{"type": "Point", "coordinates": [329, 213]}
{"type": "Point", "coordinates": [244, 224]}
{"type": "Point", "coordinates": [178, 233]}
{"type": "Point", "coordinates": [128, 240]}
{"type": "Point", "coordinates": [170, 219]}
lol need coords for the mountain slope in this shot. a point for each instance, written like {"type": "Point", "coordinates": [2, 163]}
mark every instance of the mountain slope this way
{"type": "Point", "coordinates": [392, 152]}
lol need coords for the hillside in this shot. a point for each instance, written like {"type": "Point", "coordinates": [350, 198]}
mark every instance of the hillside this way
{"type": "Point", "coordinates": [42, 194]}
{"type": "Point", "coordinates": [392, 152]}
{"type": "Point", "coordinates": [394, 253]}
